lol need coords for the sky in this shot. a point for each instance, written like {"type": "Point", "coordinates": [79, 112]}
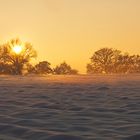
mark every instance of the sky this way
{"type": "Point", "coordinates": [72, 30]}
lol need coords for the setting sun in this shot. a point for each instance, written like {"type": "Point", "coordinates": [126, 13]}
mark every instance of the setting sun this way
{"type": "Point", "coordinates": [17, 49]}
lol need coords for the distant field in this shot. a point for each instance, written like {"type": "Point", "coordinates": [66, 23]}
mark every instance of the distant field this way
{"type": "Point", "coordinates": [79, 107]}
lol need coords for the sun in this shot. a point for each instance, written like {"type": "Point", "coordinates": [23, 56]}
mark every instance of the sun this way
{"type": "Point", "coordinates": [17, 49]}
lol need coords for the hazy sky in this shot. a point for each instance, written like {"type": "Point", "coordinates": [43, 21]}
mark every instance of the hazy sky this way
{"type": "Point", "coordinates": [72, 30]}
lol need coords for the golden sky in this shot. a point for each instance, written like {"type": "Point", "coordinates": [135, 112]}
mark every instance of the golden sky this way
{"type": "Point", "coordinates": [72, 30]}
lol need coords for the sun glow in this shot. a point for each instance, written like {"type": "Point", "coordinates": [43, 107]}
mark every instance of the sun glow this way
{"type": "Point", "coordinates": [17, 49]}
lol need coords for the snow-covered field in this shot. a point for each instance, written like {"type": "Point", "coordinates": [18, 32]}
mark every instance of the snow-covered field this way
{"type": "Point", "coordinates": [70, 107]}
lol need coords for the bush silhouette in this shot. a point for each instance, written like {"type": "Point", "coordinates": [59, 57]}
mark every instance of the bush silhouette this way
{"type": "Point", "coordinates": [43, 68]}
{"type": "Point", "coordinates": [65, 69]}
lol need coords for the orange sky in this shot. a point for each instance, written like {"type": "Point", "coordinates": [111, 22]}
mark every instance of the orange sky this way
{"type": "Point", "coordinates": [72, 30]}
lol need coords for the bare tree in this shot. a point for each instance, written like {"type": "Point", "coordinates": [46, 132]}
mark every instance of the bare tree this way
{"type": "Point", "coordinates": [43, 68]}
{"type": "Point", "coordinates": [5, 68]}
{"type": "Point", "coordinates": [16, 54]}
{"type": "Point", "coordinates": [65, 69]}
{"type": "Point", "coordinates": [103, 61]}
{"type": "Point", "coordinates": [135, 67]}
{"type": "Point", "coordinates": [108, 60]}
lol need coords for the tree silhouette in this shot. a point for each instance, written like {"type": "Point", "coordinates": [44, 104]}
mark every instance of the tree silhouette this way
{"type": "Point", "coordinates": [5, 68]}
{"type": "Point", "coordinates": [108, 60]}
{"type": "Point", "coordinates": [16, 60]}
{"type": "Point", "coordinates": [125, 63]}
{"type": "Point", "coordinates": [65, 69]}
{"type": "Point", "coordinates": [136, 60]}
{"type": "Point", "coordinates": [103, 61]}
{"type": "Point", "coordinates": [30, 69]}
{"type": "Point", "coordinates": [43, 68]}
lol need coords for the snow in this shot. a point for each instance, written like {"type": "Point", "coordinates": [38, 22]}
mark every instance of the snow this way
{"type": "Point", "coordinates": [82, 107]}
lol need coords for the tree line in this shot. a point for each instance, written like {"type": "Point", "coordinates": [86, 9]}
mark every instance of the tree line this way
{"type": "Point", "coordinates": [16, 61]}
{"type": "Point", "coordinates": [108, 60]}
